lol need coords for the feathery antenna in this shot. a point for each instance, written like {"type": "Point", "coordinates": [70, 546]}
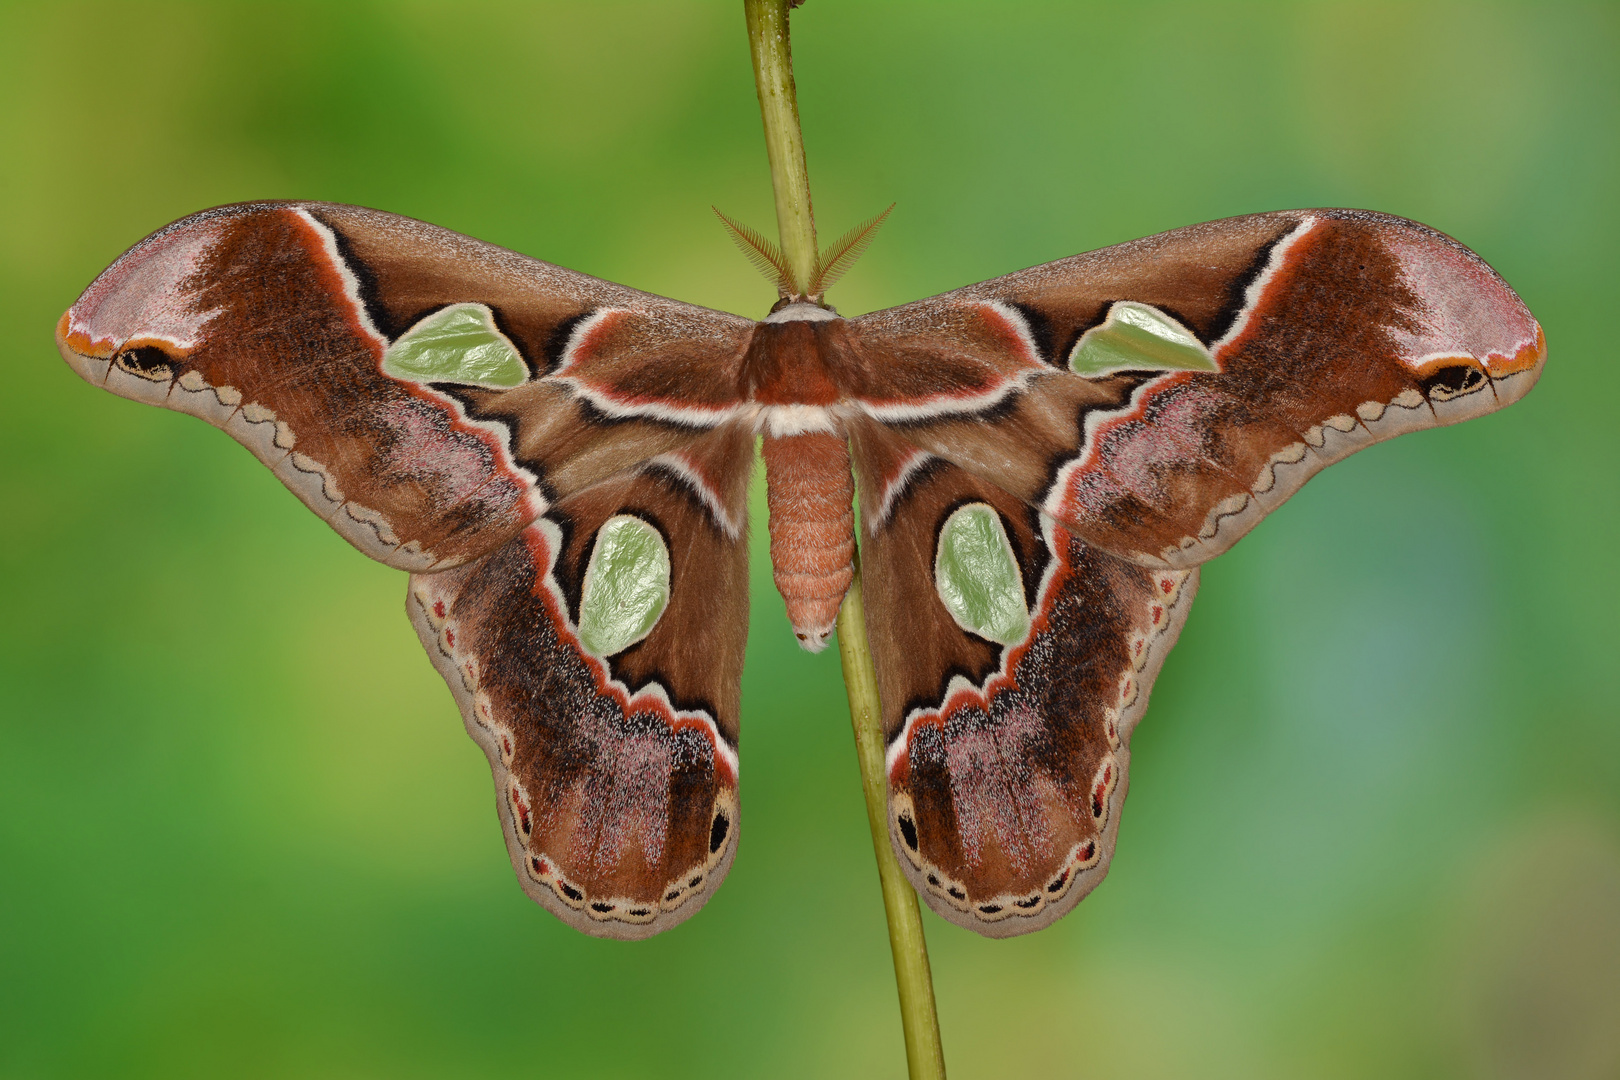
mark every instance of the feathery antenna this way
{"type": "Point", "coordinates": [840, 255]}
{"type": "Point", "coordinates": [766, 256]}
{"type": "Point", "coordinates": [835, 259]}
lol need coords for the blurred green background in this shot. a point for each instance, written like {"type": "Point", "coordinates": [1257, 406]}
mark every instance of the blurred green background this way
{"type": "Point", "coordinates": [1374, 825]}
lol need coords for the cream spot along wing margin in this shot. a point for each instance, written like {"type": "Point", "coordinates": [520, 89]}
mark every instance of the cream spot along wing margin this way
{"type": "Point", "coordinates": [1029, 361]}
{"type": "Point", "coordinates": [573, 365]}
{"type": "Point", "coordinates": [1083, 868]}
{"type": "Point", "coordinates": [1178, 587]}
{"type": "Point", "coordinates": [1099, 421]}
{"type": "Point", "coordinates": [608, 916]}
{"type": "Point", "coordinates": [1463, 314]}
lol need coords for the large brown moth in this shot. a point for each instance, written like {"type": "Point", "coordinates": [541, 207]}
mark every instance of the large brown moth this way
{"type": "Point", "coordinates": [1044, 461]}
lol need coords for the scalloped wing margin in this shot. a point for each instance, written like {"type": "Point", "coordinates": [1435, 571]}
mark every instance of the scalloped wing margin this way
{"type": "Point", "coordinates": [615, 776]}
{"type": "Point", "coordinates": [1007, 763]}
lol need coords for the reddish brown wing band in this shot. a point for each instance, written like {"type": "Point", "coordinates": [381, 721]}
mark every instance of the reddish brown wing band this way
{"type": "Point", "coordinates": [1320, 332]}
{"type": "Point", "coordinates": [1007, 760]}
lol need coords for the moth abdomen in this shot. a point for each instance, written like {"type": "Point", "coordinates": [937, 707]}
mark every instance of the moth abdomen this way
{"type": "Point", "coordinates": [810, 493]}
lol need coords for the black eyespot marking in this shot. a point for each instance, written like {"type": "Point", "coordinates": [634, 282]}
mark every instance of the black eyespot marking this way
{"type": "Point", "coordinates": [1057, 882]}
{"type": "Point", "coordinates": [695, 882]}
{"type": "Point", "coordinates": [672, 894]}
{"type": "Point", "coordinates": [1450, 382]}
{"type": "Point", "coordinates": [639, 913]}
{"type": "Point", "coordinates": [569, 891]}
{"type": "Point", "coordinates": [148, 360]}
{"type": "Point", "coordinates": [598, 905]}
{"type": "Point", "coordinates": [908, 831]}
{"type": "Point", "coordinates": [717, 832]}
{"type": "Point", "coordinates": [933, 880]}
{"type": "Point", "coordinates": [1033, 901]}
{"type": "Point", "coordinates": [958, 893]}
{"type": "Point", "coordinates": [989, 909]}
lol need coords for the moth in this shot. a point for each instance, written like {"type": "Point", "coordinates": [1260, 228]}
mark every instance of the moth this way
{"type": "Point", "coordinates": [562, 464]}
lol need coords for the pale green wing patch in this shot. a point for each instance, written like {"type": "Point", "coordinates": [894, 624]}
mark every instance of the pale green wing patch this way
{"type": "Point", "coordinates": [459, 344]}
{"type": "Point", "coordinates": [626, 586]}
{"type": "Point", "coordinates": [1136, 337]}
{"type": "Point", "coordinates": [977, 576]}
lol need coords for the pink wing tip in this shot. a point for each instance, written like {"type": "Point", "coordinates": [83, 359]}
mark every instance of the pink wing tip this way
{"type": "Point", "coordinates": [146, 297]}
{"type": "Point", "coordinates": [1464, 310]}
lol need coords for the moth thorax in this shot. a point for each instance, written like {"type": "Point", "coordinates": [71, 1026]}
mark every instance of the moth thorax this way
{"type": "Point", "coordinates": [810, 492]}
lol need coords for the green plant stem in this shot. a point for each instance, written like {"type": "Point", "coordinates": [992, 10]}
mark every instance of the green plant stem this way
{"type": "Point", "coordinates": [924, 1055]}
{"type": "Point", "coordinates": [784, 143]}
{"type": "Point", "coordinates": [778, 106]}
